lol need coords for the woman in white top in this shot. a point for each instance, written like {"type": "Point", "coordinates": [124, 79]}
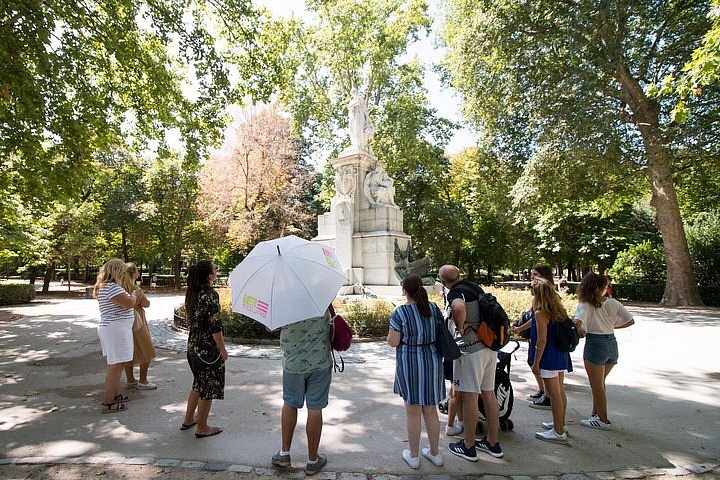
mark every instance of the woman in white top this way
{"type": "Point", "coordinates": [115, 328]}
{"type": "Point", "coordinates": [597, 317]}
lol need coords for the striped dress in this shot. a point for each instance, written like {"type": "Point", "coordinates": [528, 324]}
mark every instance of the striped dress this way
{"type": "Point", "coordinates": [418, 369]}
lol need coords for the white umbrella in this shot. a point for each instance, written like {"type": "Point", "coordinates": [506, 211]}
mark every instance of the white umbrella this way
{"type": "Point", "coordinates": [286, 280]}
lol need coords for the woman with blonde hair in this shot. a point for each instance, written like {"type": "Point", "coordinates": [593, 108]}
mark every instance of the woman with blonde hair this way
{"type": "Point", "coordinates": [143, 349]}
{"type": "Point", "coordinates": [546, 359]}
{"type": "Point", "coordinates": [115, 328]}
{"type": "Point", "coordinates": [597, 317]}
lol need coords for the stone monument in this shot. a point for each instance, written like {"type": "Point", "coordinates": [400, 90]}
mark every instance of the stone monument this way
{"type": "Point", "coordinates": [364, 225]}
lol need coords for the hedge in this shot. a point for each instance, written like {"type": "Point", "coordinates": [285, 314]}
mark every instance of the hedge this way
{"type": "Point", "coordinates": [653, 293]}
{"type": "Point", "coordinates": [14, 293]}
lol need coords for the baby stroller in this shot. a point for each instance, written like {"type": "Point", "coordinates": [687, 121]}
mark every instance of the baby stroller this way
{"type": "Point", "coordinates": [503, 389]}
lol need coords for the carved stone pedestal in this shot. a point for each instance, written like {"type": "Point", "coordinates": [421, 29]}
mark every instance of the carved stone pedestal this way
{"type": "Point", "coordinates": [364, 225]}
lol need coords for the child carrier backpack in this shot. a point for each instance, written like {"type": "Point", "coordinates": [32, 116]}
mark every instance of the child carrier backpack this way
{"type": "Point", "coordinates": [503, 388]}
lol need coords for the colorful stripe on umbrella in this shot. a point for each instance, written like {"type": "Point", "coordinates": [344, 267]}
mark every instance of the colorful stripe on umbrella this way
{"type": "Point", "coordinates": [254, 305]}
{"type": "Point", "coordinates": [329, 257]}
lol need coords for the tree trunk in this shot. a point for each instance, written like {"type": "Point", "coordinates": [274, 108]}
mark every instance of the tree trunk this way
{"type": "Point", "coordinates": [489, 274]}
{"type": "Point", "coordinates": [680, 286]}
{"type": "Point", "coordinates": [176, 267]}
{"type": "Point", "coordinates": [49, 274]}
{"type": "Point", "coordinates": [69, 275]}
{"type": "Point", "coordinates": [123, 236]}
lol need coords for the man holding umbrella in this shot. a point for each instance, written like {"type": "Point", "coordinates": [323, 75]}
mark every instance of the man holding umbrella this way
{"type": "Point", "coordinates": [289, 282]}
{"type": "Point", "coordinates": [307, 371]}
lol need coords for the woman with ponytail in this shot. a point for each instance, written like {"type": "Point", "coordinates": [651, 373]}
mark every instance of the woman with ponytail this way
{"type": "Point", "coordinates": [419, 371]}
{"type": "Point", "coordinates": [202, 309]}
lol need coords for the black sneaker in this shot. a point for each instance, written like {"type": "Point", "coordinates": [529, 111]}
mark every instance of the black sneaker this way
{"type": "Point", "coordinates": [458, 448]}
{"type": "Point", "coordinates": [484, 446]}
{"type": "Point", "coordinates": [543, 403]}
{"type": "Point", "coordinates": [536, 395]}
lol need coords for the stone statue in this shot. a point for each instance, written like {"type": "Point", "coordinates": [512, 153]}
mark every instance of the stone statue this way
{"type": "Point", "coordinates": [361, 128]}
{"type": "Point", "coordinates": [379, 188]}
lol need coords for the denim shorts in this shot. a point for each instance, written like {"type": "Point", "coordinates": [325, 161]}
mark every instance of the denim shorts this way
{"type": "Point", "coordinates": [600, 349]}
{"type": "Point", "coordinates": [313, 387]}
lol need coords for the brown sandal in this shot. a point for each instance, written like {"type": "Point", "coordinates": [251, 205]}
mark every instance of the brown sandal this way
{"type": "Point", "coordinates": [114, 407]}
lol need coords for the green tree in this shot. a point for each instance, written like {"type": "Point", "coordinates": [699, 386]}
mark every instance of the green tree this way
{"type": "Point", "coordinates": [564, 85]}
{"type": "Point", "coordinates": [702, 70]}
{"type": "Point", "coordinates": [170, 210]}
{"type": "Point", "coordinates": [482, 183]}
{"type": "Point", "coordinates": [76, 77]}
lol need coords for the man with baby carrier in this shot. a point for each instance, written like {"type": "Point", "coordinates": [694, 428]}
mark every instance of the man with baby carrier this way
{"type": "Point", "coordinates": [474, 371]}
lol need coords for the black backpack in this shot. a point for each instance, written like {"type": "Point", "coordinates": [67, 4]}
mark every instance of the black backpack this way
{"type": "Point", "coordinates": [494, 329]}
{"type": "Point", "coordinates": [566, 335]}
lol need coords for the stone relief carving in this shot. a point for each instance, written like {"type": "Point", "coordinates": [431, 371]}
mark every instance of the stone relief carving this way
{"type": "Point", "coordinates": [379, 188]}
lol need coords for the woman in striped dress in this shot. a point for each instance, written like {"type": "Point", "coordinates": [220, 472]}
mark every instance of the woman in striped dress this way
{"type": "Point", "coordinates": [418, 372]}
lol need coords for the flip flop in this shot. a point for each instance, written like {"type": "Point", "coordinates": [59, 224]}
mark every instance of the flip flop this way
{"type": "Point", "coordinates": [215, 431]}
{"type": "Point", "coordinates": [185, 427]}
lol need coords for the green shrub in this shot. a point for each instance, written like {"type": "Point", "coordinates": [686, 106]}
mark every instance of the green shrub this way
{"type": "Point", "coordinates": [653, 293]}
{"type": "Point", "coordinates": [367, 318]}
{"type": "Point", "coordinates": [703, 236]}
{"type": "Point", "coordinates": [642, 264]}
{"type": "Point", "coordinates": [14, 293]}
{"type": "Point", "coordinates": [514, 301]}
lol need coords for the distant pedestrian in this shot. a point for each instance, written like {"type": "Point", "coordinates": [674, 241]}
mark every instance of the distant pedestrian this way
{"type": "Point", "coordinates": [206, 351]}
{"type": "Point", "coordinates": [546, 359]}
{"type": "Point", "coordinates": [597, 317]}
{"type": "Point", "coordinates": [419, 370]}
{"type": "Point", "coordinates": [143, 348]}
{"type": "Point", "coordinates": [115, 329]}
{"type": "Point", "coordinates": [306, 377]}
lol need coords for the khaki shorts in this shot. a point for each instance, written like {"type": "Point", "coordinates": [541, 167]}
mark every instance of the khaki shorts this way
{"type": "Point", "coordinates": [475, 372]}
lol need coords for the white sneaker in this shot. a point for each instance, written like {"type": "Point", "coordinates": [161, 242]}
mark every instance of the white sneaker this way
{"type": "Point", "coordinates": [435, 459]}
{"type": "Point", "coordinates": [146, 386]}
{"type": "Point", "coordinates": [414, 462]}
{"type": "Point", "coordinates": [454, 430]}
{"type": "Point", "coordinates": [551, 425]}
{"type": "Point", "coordinates": [595, 422]}
{"type": "Point", "coordinates": [551, 436]}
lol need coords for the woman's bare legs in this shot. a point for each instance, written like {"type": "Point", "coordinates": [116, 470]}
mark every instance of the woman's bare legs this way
{"type": "Point", "coordinates": [112, 382]}
{"type": "Point", "coordinates": [432, 427]}
{"type": "Point", "coordinates": [412, 422]}
{"type": "Point", "coordinates": [555, 392]}
{"type": "Point", "coordinates": [597, 375]}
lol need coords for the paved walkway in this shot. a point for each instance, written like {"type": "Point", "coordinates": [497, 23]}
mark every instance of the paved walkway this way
{"type": "Point", "coordinates": [664, 398]}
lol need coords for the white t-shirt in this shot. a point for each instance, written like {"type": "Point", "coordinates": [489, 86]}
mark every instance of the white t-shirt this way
{"type": "Point", "coordinates": [109, 311]}
{"type": "Point", "coordinates": [603, 320]}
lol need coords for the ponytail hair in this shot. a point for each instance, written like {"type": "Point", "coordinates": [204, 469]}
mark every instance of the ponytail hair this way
{"type": "Point", "coordinates": [414, 287]}
{"type": "Point", "coordinates": [591, 289]}
{"type": "Point", "coordinates": [198, 276]}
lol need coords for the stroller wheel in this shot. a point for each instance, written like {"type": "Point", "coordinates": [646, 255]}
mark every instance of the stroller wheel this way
{"type": "Point", "coordinates": [443, 406]}
{"type": "Point", "coordinates": [503, 425]}
{"type": "Point", "coordinates": [510, 425]}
